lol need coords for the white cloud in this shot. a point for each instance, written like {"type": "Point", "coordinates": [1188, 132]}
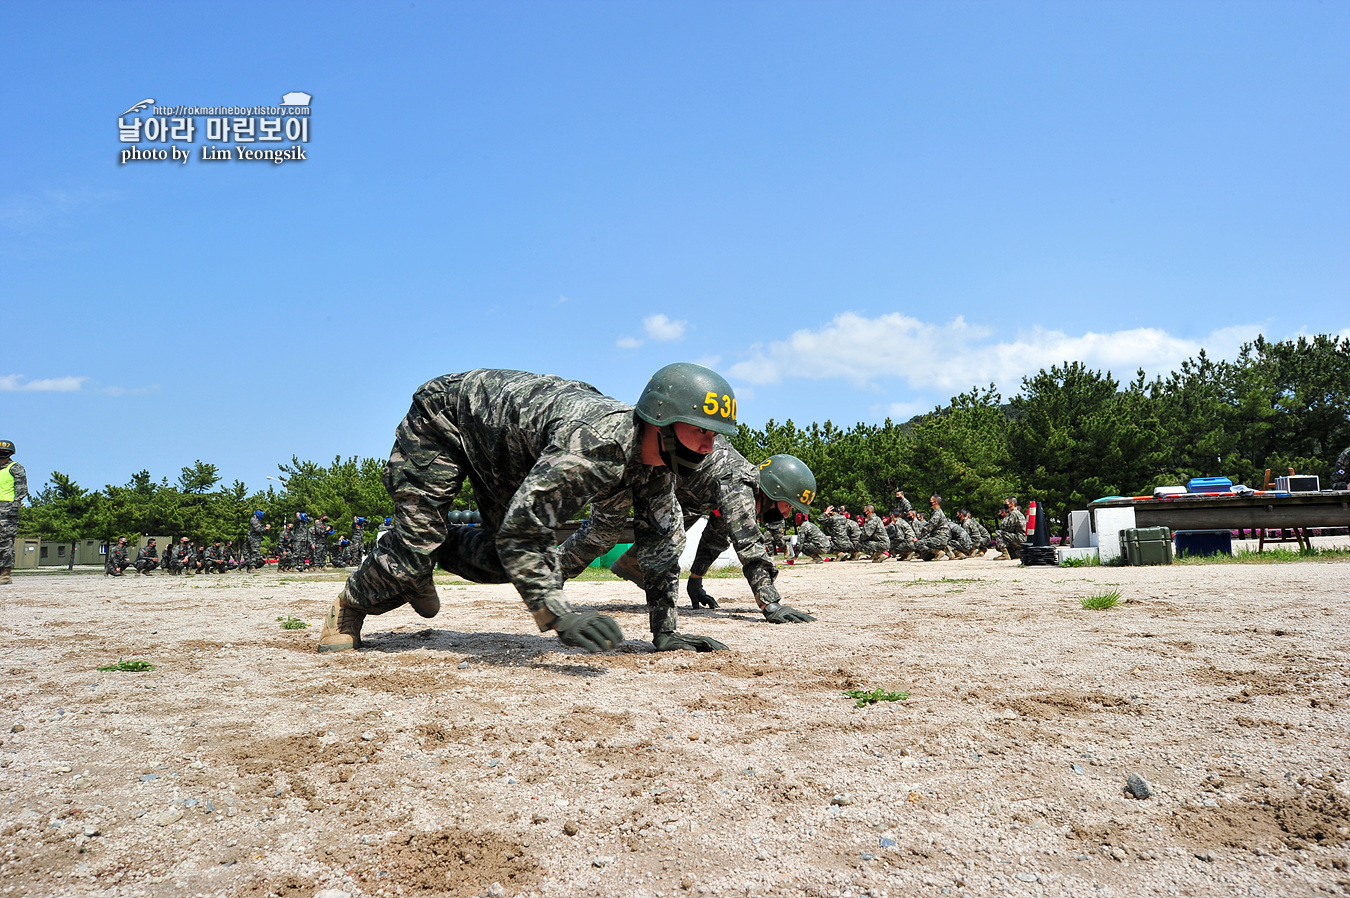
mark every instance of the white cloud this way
{"type": "Point", "coordinates": [15, 383]}
{"type": "Point", "coordinates": [659, 327]}
{"type": "Point", "coordinates": [958, 355]}
{"type": "Point", "coordinates": [628, 343]}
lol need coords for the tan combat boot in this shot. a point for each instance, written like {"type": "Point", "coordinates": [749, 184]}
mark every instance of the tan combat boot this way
{"type": "Point", "coordinates": [5, 578]}
{"type": "Point", "coordinates": [342, 628]}
{"type": "Point", "coordinates": [426, 603]}
{"type": "Point", "coordinates": [878, 558]}
{"type": "Point", "coordinates": [941, 555]}
{"type": "Point", "coordinates": [626, 566]}
{"type": "Point", "coordinates": [1003, 555]}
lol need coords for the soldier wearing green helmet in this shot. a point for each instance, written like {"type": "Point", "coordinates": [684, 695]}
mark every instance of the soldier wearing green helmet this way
{"type": "Point", "coordinates": [13, 490]}
{"type": "Point", "coordinates": [537, 449]}
{"type": "Point", "coordinates": [739, 495]}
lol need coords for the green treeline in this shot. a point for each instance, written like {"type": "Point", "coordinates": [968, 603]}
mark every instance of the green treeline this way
{"type": "Point", "coordinates": [1069, 436]}
{"type": "Point", "coordinates": [1072, 434]}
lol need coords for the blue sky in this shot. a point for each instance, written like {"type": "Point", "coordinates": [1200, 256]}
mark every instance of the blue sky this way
{"type": "Point", "coordinates": [851, 210]}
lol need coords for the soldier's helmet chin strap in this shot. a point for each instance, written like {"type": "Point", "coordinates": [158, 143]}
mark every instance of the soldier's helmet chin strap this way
{"type": "Point", "coordinates": [677, 456]}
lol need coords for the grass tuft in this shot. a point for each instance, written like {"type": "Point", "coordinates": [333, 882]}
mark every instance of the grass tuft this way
{"type": "Point", "coordinates": [290, 622]}
{"type": "Point", "coordinates": [1089, 561]}
{"type": "Point", "coordinates": [1269, 556]}
{"type": "Point", "coordinates": [1101, 601]}
{"type": "Point", "coordinates": [862, 698]}
{"type": "Point", "coordinates": [133, 665]}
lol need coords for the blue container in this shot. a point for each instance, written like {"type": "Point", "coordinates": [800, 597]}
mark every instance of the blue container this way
{"type": "Point", "coordinates": [1204, 542]}
{"type": "Point", "coordinates": [1209, 485]}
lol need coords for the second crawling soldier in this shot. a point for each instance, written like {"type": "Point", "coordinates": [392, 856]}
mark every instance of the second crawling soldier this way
{"type": "Point", "coordinates": [739, 494]}
{"type": "Point", "coordinates": [537, 449]}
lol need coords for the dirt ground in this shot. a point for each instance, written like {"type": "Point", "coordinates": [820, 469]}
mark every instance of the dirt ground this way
{"type": "Point", "coordinates": [469, 755]}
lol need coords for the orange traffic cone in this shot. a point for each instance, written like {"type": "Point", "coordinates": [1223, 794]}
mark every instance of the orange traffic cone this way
{"type": "Point", "coordinates": [1038, 550]}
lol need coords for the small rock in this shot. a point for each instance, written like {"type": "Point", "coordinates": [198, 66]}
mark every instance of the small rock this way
{"type": "Point", "coordinates": [368, 736]}
{"type": "Point", "coordinates": [1026, 877]}
{"type": "Point", "coordinates": [148, 777]}
{"type": "Point", "coordinates": [463, 665]}
{"type": "Point", "coordinates": [172, 815]}
{"type": "Point", "coordinates": [332, 893]}
{"type": "Point", "coordinates": [867, 856]}
{"type": "Point", "coordinates": [842, 799]}
{"type": "Point", "coordinates": [571, 828]}
{"type": "Point", "coordinates": [190, 803]}
{"type": "Point", "coordinates": [1118, 854]}
{"type": "Point", "coordinates": [1206, 856]}
{"type": "Point", "coordinates": [1007, 714]}
{"type": "Point", "coordinates": [17, 728]}
{"type": "Point", "coordinates": [209, 807]}
{"type": "Point", "coordinates": [1138, 787]}
{"type": "Point", "coordinates": [908, 763]}
{"type": "Point", "coordinates": [1210, 803]}
{"type": "Point", "coordinates": [197, 765]}
{"type": "Point", "coordinates": [601, 861]}
{"type": "Point", "coordinates": [1076, 769]}
{"type": "Point", "coordinates": [91, 831]}
{"type": "Point", "coordinates": [496, 891]}
{"type": "Point", "coordinates": [494, 762]}
{"type": "Point", "coordinates": [887, 843]}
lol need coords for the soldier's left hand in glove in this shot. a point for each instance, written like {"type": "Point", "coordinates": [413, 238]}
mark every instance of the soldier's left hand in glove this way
{"type": "Point", "coordinates": [697, 596]}
{"type": "Point", "coordinates": [778, 613]}
{"type": "Point", "coordinates": [673, 642]}
{"type": "Point", "coordinates": [588, 630]}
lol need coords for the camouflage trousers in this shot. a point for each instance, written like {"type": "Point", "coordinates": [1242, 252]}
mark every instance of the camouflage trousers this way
{"type": "Point", "coordinates": [146, 565]}
{"type": "Point", "coordinates": [9, 530]}
{"type": "Point", "coordinates": [775, 538]}
{"type": "Point", "coordinates": [253, 556]}
{"type": "Point", "coordinates": [931, 545]}
{"type": "Point", "coordinates": [870, 547]}
{"type": "Point", "coordinates": [1011, 543]}
{"type": "Point", "coordinates": [812, 547]}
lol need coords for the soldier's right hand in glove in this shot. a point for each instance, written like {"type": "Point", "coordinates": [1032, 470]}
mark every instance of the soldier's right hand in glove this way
{"type": "Point", "coordinates": [697, 596]}
{"type": "Point", "coordinates": [673, 642]}
{"type": "Point", "coordinates": [778, 613]}
{"type": "Point", "coordinates": [588, 630]}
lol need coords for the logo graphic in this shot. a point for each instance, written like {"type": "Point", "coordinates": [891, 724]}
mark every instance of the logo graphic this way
{"type": "Point", "coordinates": [241, 133]}
{"type": "Point", "coordinates": [139, 106]}
{"type": "Point", "coordinates": [294, 98]}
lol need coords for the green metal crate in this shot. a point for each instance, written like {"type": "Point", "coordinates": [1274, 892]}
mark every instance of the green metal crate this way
{"type": "Point", "coordinates": [1146, 545]}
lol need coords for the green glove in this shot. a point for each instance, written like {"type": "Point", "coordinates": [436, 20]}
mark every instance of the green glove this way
{"type": "Point", "coordinates": [588, 630]}
{"type": "Point", "coordinates": [673, 642]}
{"type": "Point", "coordinates": [778, 613]}
{"type": "Point", "coordinates": [697, 596]}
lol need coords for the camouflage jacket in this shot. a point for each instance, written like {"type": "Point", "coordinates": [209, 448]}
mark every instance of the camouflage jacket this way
{"type": "Point", "coordinates": [937, 521]}
{"type": "Point", "coordinates": [117, 556]}
{"type": "Point", "coordinates": [874, 531]}
{"type": "Point", "coordinates": [958, 535]}
{"type": "Point", "coordinates": [811, 539]}
{"type": "Point", "coordinates": [256, 529]}
{"type": "Point", "coordinates": [853, 531]}
{"type": "Point", "coordinates": [979, 536]}
{"type": "Point", "coordinates": [537, 449]}
{"type": "Point", "coordinates": [903, 531]}
{"type": "Point", "coordinates": [147, 553]}
{"type": "Point", "coordinates": [1014, 525]}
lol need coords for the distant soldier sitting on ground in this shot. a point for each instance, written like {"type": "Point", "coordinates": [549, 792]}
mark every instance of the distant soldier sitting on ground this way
{"type": "Point", "coordinates": [1011, 535]}
{"type": "Point", "coordinates": [147, 557]}
{"type": "Point", "coordinates": [812, 542]}
{"type": "Point", "coordinates": [872, 540]}
{"type": "Point", "coordinates": [980, 540]}
{"type": "Point", "coordinates": [933, 547]}
{"type": "Point", "coordinates": [118, 559]}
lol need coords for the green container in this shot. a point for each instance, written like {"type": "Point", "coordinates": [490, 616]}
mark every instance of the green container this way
{"type": "Point", "coordinates": [1146, 545]}
{"type": "Point", "coordinates": [611, 556]}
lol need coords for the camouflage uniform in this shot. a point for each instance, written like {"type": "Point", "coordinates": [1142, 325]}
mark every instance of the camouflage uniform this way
{"type": "Point", "coordinates": [357, 550]}
{"type": "Point", "coordinates": [958, 537]}
{"type": "Point", "coordinates": [902, 540]}
{"type": "Point", "coordinates": [873, 540]}
{"type": "Point", "coordinates": [536, 449]}
{"type": "Point", "coordinates": [812, 541]}
{"type": "Point", "coordinates": [1012, 532]}
{"type": "Point", "coordinates": [147, 559]}
{"type": "Point", "coordinates": [300, 545]}
{"type": "Point", "coordinates": [775, 537]}
{"type": "Point", "coordinates": [979, 536]}
{"type": "Point", "coordinates": [1340, 475]}
{"type": "Point", "coordinates": [854, 534]}
{"type": "Point", "coordinates": [175, 559]}
{"type": "Point", "coordinates": [318, 542]}
{"type": "Point", "coordinates": [253, 557]}
{"type": "Point", "coordinates": [286, 549]}
{"type": "Point", "coordinates": [117, 560]}
{"type": "Point", "coordinates": [902, 508]}
{"type": "Point", "coordinates": [837, 526]}
{"type": "Point", "coordinates": [217, 559]}
{"type": "Point", "coordinates": [936, 537]}
{"type": "Point", "coordinates": [724, 484]}
{"type": "Point", "coordinates": [9, 513]}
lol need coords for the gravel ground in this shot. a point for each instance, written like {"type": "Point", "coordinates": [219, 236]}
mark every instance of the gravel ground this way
{"type": "Point", "coordinates": [468, 755]}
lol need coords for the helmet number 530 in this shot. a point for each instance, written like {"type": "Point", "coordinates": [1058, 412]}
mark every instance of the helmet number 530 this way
{"type": "Point", "coordinates": [726, 408]}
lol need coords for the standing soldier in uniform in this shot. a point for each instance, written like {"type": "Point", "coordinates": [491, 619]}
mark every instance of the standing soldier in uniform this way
{"type": "Point", "coordinates": [13, 490]}
{"type": "Point", "coordinates": [117, 560]}
{"type": "Point", "coordinates": [300, 545]}
{"type": "Point", "coordinates": [873, 541]}
{"type": "Point", "coordinates": [358, 545]}
{"type": "Point", "coordinates": [1012, 532]}
{"type": "Point", "coordinates": [537, 449]}
{"type": "Point", "coordinates": [286, 548]}
{"type": "Point", "coordinates": [253, 557]}
{"type": "Point", "coordinates": [147, 557]}
{"type": "Point", "coordinates": [318, 541]}
{"type": "Point", "coordinates": [740, 495]}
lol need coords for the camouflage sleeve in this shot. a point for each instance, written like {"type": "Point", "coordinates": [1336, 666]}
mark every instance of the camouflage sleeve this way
{"type": "Point", "coordinates": [20, 482]}
{"type": "Point", "coordinates": [597, 535]}
{"type": "Point", "coordinates": [658, 526]}
{"type": "Point", "coordinates": [738, 513]}
{"type": "Point", "coordinates": [561, 482]}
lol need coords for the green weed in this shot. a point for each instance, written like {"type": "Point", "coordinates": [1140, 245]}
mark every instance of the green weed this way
{"type": "Point", "coordinates": [290, 622]}
{"type": "Point", "coordinates": [1089, 561]}
{"type": "Point", "coordinates": [1101, 601]}
{"type": "Point", "coordinates": [1269, 556]}
{"type": "Point", "coordinates": [123, 664]}
{"type": "Point", "coordinates": [862, 698]}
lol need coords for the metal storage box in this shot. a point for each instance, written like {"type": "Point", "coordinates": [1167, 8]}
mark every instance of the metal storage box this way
{"type": "Point", "coordinates": [1204, 542]}
{"type": "Point", "coordinates": [1146, 545]}
{"type": "Point", "coordinates": [1298, 483]}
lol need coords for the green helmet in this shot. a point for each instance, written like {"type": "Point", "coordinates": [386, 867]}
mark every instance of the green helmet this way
{"type": "Point", "coordinates": [786, 478]}
{"type": "Point", "coordinates": [692, 394]}
{"type": "Point", "coordinates": [6, 447]}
